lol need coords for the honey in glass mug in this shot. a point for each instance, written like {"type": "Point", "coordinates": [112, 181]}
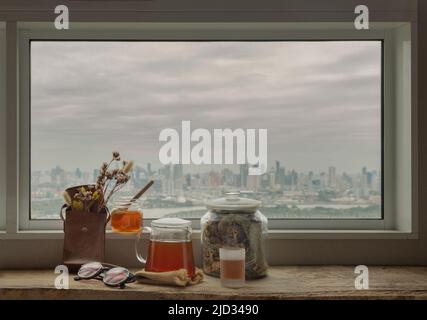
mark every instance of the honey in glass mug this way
{"type": "Point", "coordinates": [126, 216]}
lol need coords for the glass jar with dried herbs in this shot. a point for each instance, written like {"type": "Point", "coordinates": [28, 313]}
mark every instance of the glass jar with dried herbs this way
{"type": "Point", "coordinates": [233, 221]}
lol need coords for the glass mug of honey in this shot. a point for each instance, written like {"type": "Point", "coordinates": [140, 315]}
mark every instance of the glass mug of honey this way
{"type": "Point", "coordinates": [126, 216]}
{"type": "Point", "coordinates": [169, 246]}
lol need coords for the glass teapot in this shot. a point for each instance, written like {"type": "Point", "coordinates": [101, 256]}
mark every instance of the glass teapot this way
{"type": "Point", "coordinates": [169, 246]}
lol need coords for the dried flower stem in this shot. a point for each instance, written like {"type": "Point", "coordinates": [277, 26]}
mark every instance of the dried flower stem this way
{"type": "Point", "coordinates": [107, 177]}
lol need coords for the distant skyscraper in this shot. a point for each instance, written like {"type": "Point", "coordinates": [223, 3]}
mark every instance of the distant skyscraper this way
{"type": "Point", "coordinates": [178, 177]}
{"type": "Point", "coordinates": [58, 176]}
{"type": "Point", "coordinates": [227, 177]}
{"type": "Point", "coordinates": [214, 179]}
{"type": "Point", "coordinates": [323, 180]}
{"type": "Point", "coordinates": [253, 183]}
{"type": "Point", "coordinates": [294, 179]}
{"type": "Point", "coordinates": [178, 171]}
{"type": "Point", "coordinates": [244, 171]}
{"type": "Point", "coordinates": [265, 181]}
{"type": "Point", "coordinates": [332, 177]}
{"type": "Point", "coordinates": [165, 171]}
{"type": "Point", "coordinates": [364, 192]}
{"type": "Point", "coordinates": [149, 171]}
{"type": "Point", "coordinates": [272, 177]}
{"type": "Point", "coordinates": [187, 179]}
{"type": "Point", "coordinates": [281, 179]}
{"type": "Point", "coordinates": [279, 175]}
{"type": "Point", "coordinates": [78, 173]}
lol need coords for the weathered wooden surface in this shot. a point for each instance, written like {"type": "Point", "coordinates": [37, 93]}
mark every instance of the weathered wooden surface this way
{"type": "Point", "coordinates": [308, 282]}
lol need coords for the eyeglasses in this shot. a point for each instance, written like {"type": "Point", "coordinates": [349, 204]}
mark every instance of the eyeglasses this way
{"type": "Point", "coordinates": [111, 275]}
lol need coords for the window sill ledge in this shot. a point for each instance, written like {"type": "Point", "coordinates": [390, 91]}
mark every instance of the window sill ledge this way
{"type": "Point", "coordinates": [273, 234]}
{"type": "Point", "coordinates": [308, 282]}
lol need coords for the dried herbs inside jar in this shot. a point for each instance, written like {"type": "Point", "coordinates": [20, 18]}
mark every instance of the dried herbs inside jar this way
{"type": "Point", "coordinates": [234, 229]}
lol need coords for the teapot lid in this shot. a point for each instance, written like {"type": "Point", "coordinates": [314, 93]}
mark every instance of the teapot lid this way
{"type": "Point", "coordinates": [170, 223]}
{"type": "Point", "coordinates": [232, 202]}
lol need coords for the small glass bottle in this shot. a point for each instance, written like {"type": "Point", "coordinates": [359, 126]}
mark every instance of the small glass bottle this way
{"type": "Point", "coordinates": [232, 267]}
{"type": "Point", "coordinates": [126, 216]}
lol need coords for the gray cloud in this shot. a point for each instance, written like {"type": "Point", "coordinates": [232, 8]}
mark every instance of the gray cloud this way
{"type": "Point", "coordinates": [320, 101]}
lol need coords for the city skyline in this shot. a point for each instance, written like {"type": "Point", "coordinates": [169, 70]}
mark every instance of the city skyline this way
{"type": "Point", "coordinates": [174, 177]}
{"type": "Point", "coordinates": [234, 168]}
{"type": "Point", "coordinates": [203, 168]}
{"type": "Point", "coordinates": [283, 192]}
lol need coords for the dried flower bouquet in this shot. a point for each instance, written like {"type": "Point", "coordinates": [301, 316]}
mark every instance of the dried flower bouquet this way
{"type": "Point", "coordinates": [94, 198]}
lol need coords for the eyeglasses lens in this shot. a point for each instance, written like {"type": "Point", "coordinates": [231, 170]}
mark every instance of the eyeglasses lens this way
{"type": "Point", "coordinates": [89, 270]}
{"type": "Point", "coordinates": [116, 276]}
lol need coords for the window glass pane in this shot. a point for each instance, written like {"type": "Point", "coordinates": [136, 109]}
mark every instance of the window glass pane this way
{"type": "Point", "coordinates": [319, 100]}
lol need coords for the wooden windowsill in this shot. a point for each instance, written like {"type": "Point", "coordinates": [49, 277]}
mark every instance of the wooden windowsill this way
{"type": "Point", "coordinates": [308, 282]}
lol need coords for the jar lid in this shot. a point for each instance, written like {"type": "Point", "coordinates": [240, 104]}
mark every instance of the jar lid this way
{"type": "Point", "coordinates": [232, 202]}
{"type": "Point", "coordinates": [126, 202]}
{"type": "Point", "coordinates": [170, 223]}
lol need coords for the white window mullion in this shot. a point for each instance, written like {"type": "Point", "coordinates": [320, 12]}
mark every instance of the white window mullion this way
{"type": "Point", "coordinates": [12, 194]}
{"type": "Point", "coordinates": [3, 140]}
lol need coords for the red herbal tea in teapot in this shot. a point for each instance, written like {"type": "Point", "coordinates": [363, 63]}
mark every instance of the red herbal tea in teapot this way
{"type": "Point", "coordinates": [169, 248]}
{"type": "Point", "coordinates": [169, 256]}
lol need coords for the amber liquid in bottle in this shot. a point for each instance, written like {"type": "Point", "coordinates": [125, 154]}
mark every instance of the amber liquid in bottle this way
{"type": "Point", "coordinates": [232, 267]}
{"type": "Point", "coordinates": [126, 221]}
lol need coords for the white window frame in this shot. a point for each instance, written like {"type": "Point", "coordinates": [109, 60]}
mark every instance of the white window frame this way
{"type": "Point", "coordinates": [2, 127]}
{"type": "Point", "coordinates": [399, 215]}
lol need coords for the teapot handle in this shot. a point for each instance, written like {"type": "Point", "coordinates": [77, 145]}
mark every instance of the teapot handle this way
{"type": "Point", "coordinates": [137, 245]}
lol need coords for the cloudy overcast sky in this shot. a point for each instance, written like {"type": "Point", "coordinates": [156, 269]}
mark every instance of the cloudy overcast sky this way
{"type": "Point", "coordinates": [320, 101]}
